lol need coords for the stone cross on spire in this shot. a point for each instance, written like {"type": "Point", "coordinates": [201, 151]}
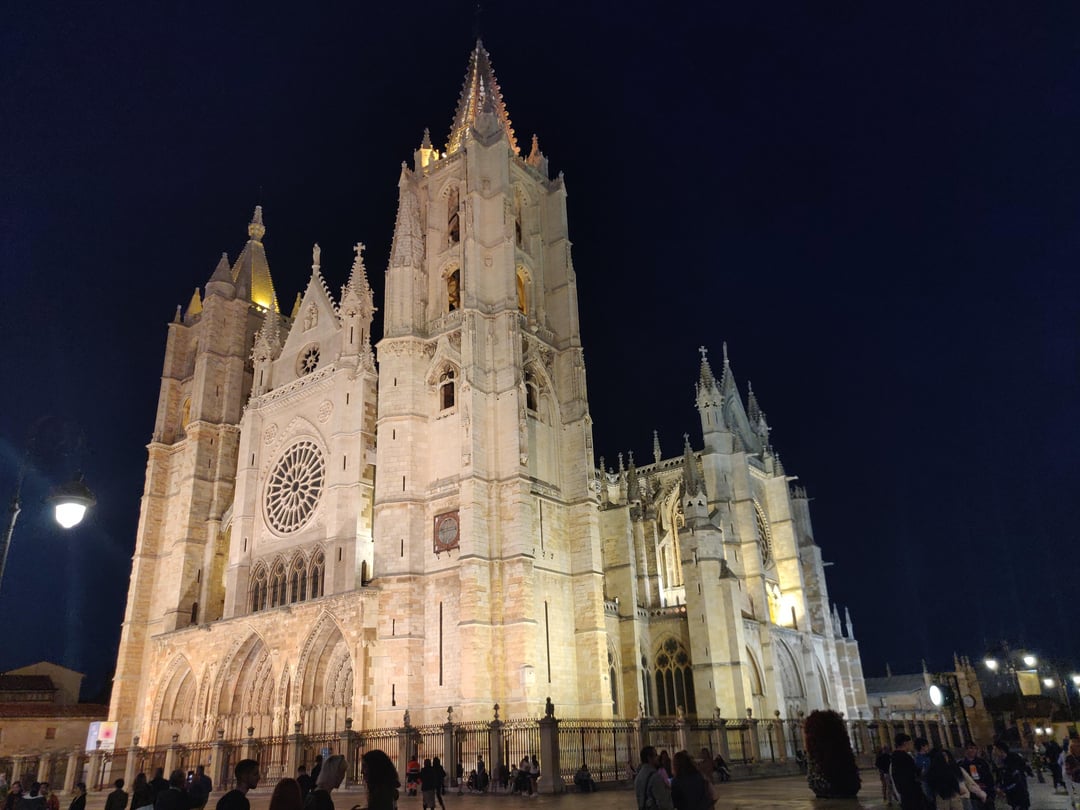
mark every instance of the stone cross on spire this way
{"type": "Point", "coordinates": [705, 352]}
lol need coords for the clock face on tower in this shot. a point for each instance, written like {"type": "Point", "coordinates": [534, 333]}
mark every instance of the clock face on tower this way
{"type": "Point", "coordinates": [447, 531]}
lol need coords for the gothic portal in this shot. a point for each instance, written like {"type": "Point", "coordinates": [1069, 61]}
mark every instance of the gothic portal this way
{"type": "Point", "coordinates": [337, 527]}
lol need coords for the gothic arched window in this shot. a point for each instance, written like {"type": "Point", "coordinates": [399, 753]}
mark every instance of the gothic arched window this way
{"type": "Point", "coordinates": [518, 240]}
{"type": "Point", "coordinates": [674, 679]}
{"type": "Point", "coordinates": [757, 683]}
{"type": "Point", "coordinates": [446, 389]}
{"type": "Point", "coordinates": [258, 589]}
{"type": "Point", "coordinates": [532, 392]}
{"type": "Point", "coordinates": [318, 575]}
{"type": "Point", "coordinates": [298, 580]}
{"type": "Point", "coordinates": [613, 678]}
{"type": "Point", "coordinates": [277, 585]}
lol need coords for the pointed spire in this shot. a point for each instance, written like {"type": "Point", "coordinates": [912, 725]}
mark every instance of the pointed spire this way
{"type": "Point", "coordinates": [425, 143]}
{"type": "Point", "coordinates": [194, 306]}
{"type": "Point", "coordinates": [178, 318]}
{"type": "Point", "coordinates": [727, 379]}
{"type": "Point", "coordinates": [536, 158]}
{"type": "Point", "coordinates": [479, 94]}
{"type": "Point", "coordinates": [633, 491]}
{"type": "Point", "coordinates": [753, 410]}
{"type": "Point", "coordinates": [221, 281]}
{"type": "Point", "coordinates": [407, 249]}
{"type": "Point", "coordinates": [296, 307]}
{"type": "Point", "coordinates": [252, 272]}
{"type": "Point", "coordinates": [358, 280]}
{"type": "Point", "coordinates": [223, 272]}
{"type": "Point", "coordinates": [706, 380]}
{"type": "Point", "coordinates": [656, 447]}
{"type": "Point", "coordinates": [847, 622]}
{"type": "Point", "coordinates": [888, 670]}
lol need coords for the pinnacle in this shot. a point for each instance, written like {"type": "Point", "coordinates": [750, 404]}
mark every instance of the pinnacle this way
{"type": "Point", "coordinates": [256, 229]}
{"type": "Point", "coordinates": [707, 380]}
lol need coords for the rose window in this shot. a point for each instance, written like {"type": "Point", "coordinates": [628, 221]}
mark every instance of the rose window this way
{"type": "Point", "coordinates": [309, 360]}
{"type": "Point", "coordinates": [294, 487]}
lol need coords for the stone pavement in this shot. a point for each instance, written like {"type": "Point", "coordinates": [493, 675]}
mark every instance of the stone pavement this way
{"type": "Point", "coordinates": [784, 793]}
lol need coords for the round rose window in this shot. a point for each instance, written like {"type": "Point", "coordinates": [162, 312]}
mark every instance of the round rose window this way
{"type": "Point", "coordinates": [294, 487]}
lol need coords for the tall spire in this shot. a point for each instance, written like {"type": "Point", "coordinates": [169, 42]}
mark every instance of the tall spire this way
{"type": "Point", "coordinates": [251, 271]}
{"type": "Point", "coordinates": [479, 94]}
{"type": "Point", "coordinates": [656, 447]}
{"type": "Point", "coordinates": [691, 479]}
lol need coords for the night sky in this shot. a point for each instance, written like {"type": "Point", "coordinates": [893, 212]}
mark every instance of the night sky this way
{"type": "Point", "coordinates": [876, 205]}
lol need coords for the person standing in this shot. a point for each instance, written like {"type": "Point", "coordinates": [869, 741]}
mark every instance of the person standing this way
{"type": "Point", "coordinates": [429, 783]}
{"type": "Point", "coordinates": [79, 802]}
{"type": "Point", "coordinates": [32, 800]}
{"type": "Point", "coordinates": [330, 779]}
{"type": "Point", "coordinates": [981, 774]}
{"type": "Point", "coordinates": [381, 779]}
{"type": "Point", "coordinates": [200, 789]}
{"type": "Point", "coordinates": [158, 784]}
{"type": "Point", "coordinates": [315, 769]}
{"type": "Point", "coordinates": [118, 799]}
{"type": "Point", "coordinates": [247, 778]}
{"type": "Point", "coordinates": [175, 798]}
{"type": "Point", "coordinates": [883, 763]}
{"type": "Point", "coordinates": [52, 801]}
{"type": "Point", "coordinates": [440, 773]}
{"type": "Point", "coordinates": [689, 789]}
{"type": "Point", "coordinates": [1052, 752]}
{"type": "Point", "coordinates": [306, 783]}
{"type": "Point", "coordinates": [1014, 772]}
{"type": "Point", "coordinates": [13, 795]}
{"type": "Point", "coordinates": [650, 789]}
{"type": "Point", "coordinates": [287, 795]}
{"type": "Point", "coordinates": [905, 774]}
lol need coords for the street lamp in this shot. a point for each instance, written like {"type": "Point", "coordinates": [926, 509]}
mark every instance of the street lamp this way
{"type": "Point", "coordinates": [992, 664]}
{"type": "Point", "coordinates": [69, 503]}
{"type": "Point", "coordinates": [1030, 660]}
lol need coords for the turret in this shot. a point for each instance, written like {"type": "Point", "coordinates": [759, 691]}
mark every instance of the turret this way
{"type": "Point", "coordinates": [710, 404]}
{"type": "Point", "coordinates": [356, 310]}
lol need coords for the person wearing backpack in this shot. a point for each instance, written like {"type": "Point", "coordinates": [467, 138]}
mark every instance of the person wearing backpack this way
{"type": "Point", "coordinates": [651, 790]}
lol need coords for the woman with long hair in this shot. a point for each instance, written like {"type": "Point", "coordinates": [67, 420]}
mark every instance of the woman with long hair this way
{"type": "Point", "coordinates": [689, 790]}
{"type": "Point", "coordinates": [141, 794]}
{"type": "Point", "coordinates": [944, 778]}
{"type": "Point", "coordinates": [381, 779]}
{"type": "Point", "coordinates": [287, 796]}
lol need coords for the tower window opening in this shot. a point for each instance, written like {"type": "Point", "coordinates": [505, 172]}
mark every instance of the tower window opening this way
{"type": "Point", "coordinates": [453, 291]}
{"type": "Point", "coordinates": [318, 569]}
{"type": "Point", "coordinates": [522, 292]}
{"type": "Point", "coordinates": [532, 392]}
{"type": "Point", "coordinates": [446, 389]}
{"type": "Point", "coordinates": [453, 217]}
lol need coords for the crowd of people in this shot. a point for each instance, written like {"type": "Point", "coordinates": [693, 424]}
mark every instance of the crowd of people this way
{"type": "Point", "coordinates": [38, 796]}
{"type": "Point", "coordinates": [663, 782]}
{"type": "Point", "coordinates": [917, 777]}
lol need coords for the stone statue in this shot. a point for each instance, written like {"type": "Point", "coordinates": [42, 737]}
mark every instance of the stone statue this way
{"type": "Point", "coordinates": [407, 719]}
{"type": "Point", "coordinates": [549, 708]}
{"type": "Point", "coordinates": [316, 256]}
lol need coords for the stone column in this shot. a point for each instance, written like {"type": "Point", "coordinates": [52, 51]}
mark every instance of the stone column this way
{"type": "Point", "coordinates": [642, 733]}
{"type": "Point", "coordinates": [43, 767]}
{"type": "Point", "coordinates": [680, 729]}
{"type": "Point", "coordinates": [448, 759]}
{"type": "Point", "coordinates": [294, 750]}
{"type": "Point", "coordinates": [172, 755]}
{"type": "Point", "coordinates": [724, 749]}
{"type": "Point", "coordinates": [132, 762]}
{"type": "Point", "coordinates": [495, 745]}
{"type": "Point", "coordinates": [348, 743]}
{"type": "Point", "coordinates": [247, 750]}
{"type": "Point", "coordinates": [779, 740]}
{"type": "Point", "coordinates": [550, 773]}
{"type": "Point", "coordinates": [93, 774]}
{"type": "Point", "coordinates": [72, 775]}
{"type": "Point", "coordinates": [217, 764]}
{"type": "Point", "coordinates": [755, 744]}
{"type": "Point", "coordinates": [403, 749]}
{"type": "Point", "coordinates": [16, 769]}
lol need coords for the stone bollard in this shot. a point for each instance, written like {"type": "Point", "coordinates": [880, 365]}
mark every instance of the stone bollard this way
{"type": "Point", "coordinates": [550, 772]}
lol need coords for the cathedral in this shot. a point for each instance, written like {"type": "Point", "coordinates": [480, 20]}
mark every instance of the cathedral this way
{"type": "Point", "coordinates": [341, 525]}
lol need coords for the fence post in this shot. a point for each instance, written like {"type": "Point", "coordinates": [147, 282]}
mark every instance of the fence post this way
{"type": "Point", "coordinates": [403, 748]}
{"type": "Point", "coordinates": [495, 748]}
{"type": "Point", "coordinates": [722, 742]}
{"type": "Point", "coordinates": [72, 775]}
{"type": "Point", "coordinates": [779, 742]}
{"type": "Point", "coordinates": [449, 760]}
{"type": "Point", "coordinates": [642, 731]}
{"type": "Point", "coordinates": [348, 743]}
{"type": "Point", "coordinates": [217, 762]}
{"type": "Point", "coordinates": [755, 744]}
{"type": "Point", "coordinates": [131, 762]}
{"type": "Point", "coordinates": [680, 728]}
{"type": "Point", "coordinates": [249, 744]}
{"type": "Point", "coordinates": [550, 773]}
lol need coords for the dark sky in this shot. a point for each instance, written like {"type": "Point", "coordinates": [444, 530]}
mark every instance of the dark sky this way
{"type": "Point", "coordinates": [875, 205]}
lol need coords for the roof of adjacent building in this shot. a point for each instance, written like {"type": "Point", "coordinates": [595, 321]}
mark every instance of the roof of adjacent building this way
{"type": "Point", "coordinates": [42, 709]}
{"type": "Point", "coordinates": [895, 683]}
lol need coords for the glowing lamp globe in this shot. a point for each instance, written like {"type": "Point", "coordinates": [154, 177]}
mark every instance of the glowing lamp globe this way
{"type": "Point", "coordinates": [991, 664]}
{"type": "Point", "coordinates": [937, 697]}
{"type": "Point", "coordinates": [1030, 660]}
{"type": "Point", "coordinates": [70, 502]}
{"type": "Point", "coordinates": [1048, 682]}
{"type": "Point", "coordinates": [1076, 680]}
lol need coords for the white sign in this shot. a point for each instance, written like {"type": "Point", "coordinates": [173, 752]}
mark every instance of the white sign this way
{"type": "Point", "coordinates": [103, 732]}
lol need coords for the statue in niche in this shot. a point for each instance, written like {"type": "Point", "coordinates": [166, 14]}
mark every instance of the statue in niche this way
{"type": "Point", "coordinates": [311, 317]}
{"type": "Point", "coordinates": [453, 291]}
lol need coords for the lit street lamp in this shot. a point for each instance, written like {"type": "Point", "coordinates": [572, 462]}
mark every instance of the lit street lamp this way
{"type": "Point", "coordinates": [69, 503]}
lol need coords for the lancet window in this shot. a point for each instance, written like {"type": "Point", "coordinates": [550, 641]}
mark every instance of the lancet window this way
{"type": "Point", "coordinates": [532, 392]}
{"type": "Point", "coordinates": [446, 389]}
{"type": "Point", "coordinates": [763, 533]}
{"type": "Point", "coordinates": [278, 585]}
{"type": "Point", "coordinates": [453, 291]}
{"type": "Point", "coordinates": [453, 217]}
{"type": "Point", "coordinates": [522, 291]}
{"type": "Point", "coordinates": [674, 679]}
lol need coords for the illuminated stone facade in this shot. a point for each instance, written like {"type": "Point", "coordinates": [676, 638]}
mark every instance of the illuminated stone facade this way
{"type": "Point", "coordinates": [290, 568]}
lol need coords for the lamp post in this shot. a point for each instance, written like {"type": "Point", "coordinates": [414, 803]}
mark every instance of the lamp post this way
{"type": "Point", "coordinates": [69, 502]}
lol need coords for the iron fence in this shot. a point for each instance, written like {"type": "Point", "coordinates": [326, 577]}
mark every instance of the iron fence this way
{"type": "Point", "coordinates": [606, 747]}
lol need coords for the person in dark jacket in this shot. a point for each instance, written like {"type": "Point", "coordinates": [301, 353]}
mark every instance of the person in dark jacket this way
{"type": "Point", "coordinates": [175, 797]}
{"type": "Point", "coordinates": [905, 775]}
{"type": "Point", "coordinates": [118, 799]}
{"type": "Point", "coordinates": [158, 784]}
{"type": "Point", "coordinates": [33, 800]}
{"type": "Point", "coordinates": [883, 763]}
{"type": "Point", "coordinates": [1013, 772]}
{"type": "Point", "coordinates": [981, 773]}
{"type": "Point", "coordinates": [79, 802]}
{"type": "Point", "coordinates": [689, 789]}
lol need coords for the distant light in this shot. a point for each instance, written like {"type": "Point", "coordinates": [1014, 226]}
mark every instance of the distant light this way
{"type": "Point", "coordinates": [1030, 660]}
{"type": "Point", "coordinates": [1048, 682]}
{"type": "Point", "coordinates": [1076, 680]}
{"type": "Point", "coordinates": [1049, 730]}
{"type": "Point", "coordinates": [991, 664]}
{"type": "Point", "coordinates": [937, 697]}
{"type": "Point", "coordinates": [1038, 730]}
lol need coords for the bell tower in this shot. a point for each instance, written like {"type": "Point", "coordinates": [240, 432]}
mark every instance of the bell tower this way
{"type": "Point", "coordinates": [487, 547]}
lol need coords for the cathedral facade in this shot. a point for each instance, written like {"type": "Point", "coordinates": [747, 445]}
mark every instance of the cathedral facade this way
{"type": "Point", "coordinates": [334, 527]}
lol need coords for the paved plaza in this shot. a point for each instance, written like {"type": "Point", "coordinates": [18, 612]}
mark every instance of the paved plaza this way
{"type": "Point", "coordinates": [788, 793]}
